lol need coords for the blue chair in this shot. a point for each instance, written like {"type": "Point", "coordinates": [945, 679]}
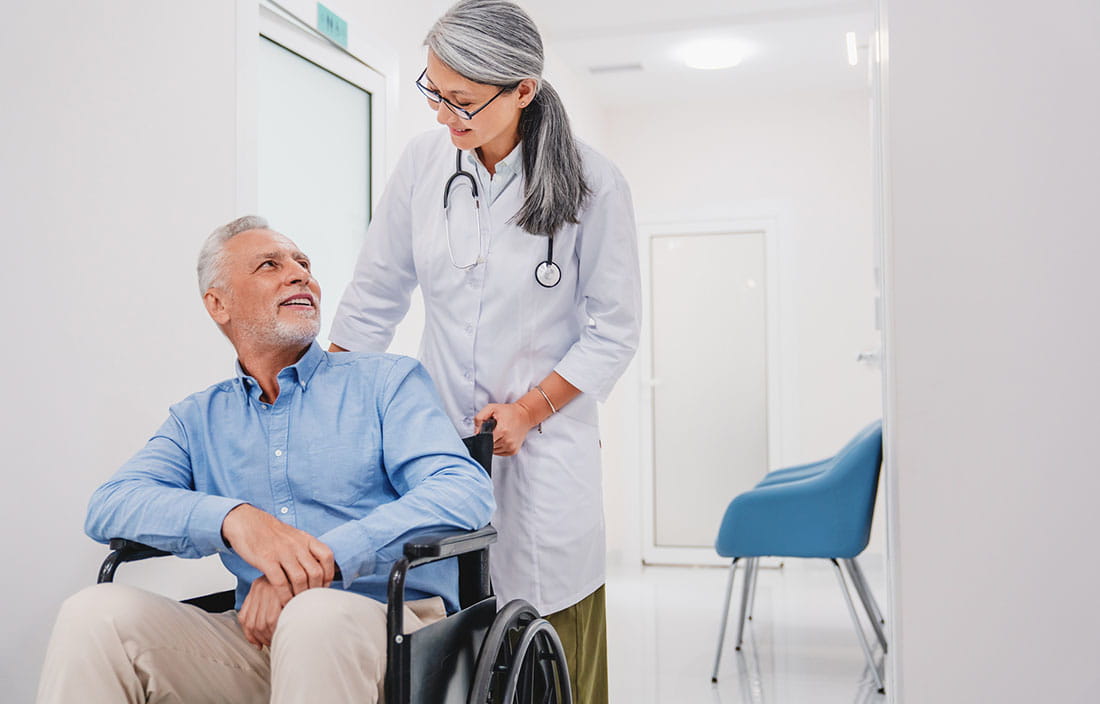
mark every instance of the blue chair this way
{"type": "Point", "coordinates": [819, 510]}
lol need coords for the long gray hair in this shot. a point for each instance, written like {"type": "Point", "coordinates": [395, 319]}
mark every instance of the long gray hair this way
{"type": "Point", "coordinates": [494, 42]}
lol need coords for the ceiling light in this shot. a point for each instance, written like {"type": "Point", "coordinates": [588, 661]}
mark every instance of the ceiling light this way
{"type": "Point", "coordinates": [711, 53]}
{"type": "Point", "coordinates": [853, 54]}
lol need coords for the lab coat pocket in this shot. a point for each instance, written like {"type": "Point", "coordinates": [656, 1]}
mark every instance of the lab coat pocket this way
{"type": "Point", "coordinates": [582, 409]}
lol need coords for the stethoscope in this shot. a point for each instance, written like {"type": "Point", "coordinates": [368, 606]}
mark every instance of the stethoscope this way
{"type": "Point", "coordinates": [547, 273]}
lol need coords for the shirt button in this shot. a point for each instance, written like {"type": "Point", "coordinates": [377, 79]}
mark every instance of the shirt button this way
{"type": "Point", "coordinates": [284, 509]}
{"type": "Point", "coordinates": [469, 329]}
{"type": "Point", "coordinates": [278, 453]}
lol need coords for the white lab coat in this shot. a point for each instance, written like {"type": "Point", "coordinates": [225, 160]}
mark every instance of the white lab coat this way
{"type": "Point", "coordinates": [492, 332]}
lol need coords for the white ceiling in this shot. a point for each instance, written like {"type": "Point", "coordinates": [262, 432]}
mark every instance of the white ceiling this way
{"type": "Point", "coordinates": [795, 46]}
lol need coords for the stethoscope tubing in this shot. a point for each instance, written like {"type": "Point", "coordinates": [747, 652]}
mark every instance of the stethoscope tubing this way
{"type": "Point", "coordinates": [547, 272]}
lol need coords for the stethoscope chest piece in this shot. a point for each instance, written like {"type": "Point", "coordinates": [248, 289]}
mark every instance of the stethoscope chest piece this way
{"type": "Point", "coordinates": [547, 274]}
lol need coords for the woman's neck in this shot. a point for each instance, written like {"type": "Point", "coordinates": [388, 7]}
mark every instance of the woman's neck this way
{"type": "Point", "coordinates": [493, 152]}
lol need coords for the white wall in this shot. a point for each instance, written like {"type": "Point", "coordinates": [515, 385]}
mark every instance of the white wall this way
{"type": "Point", "coordinates": [119, 154]}
{"type": "Point", "coordinates": [992, 164]}
{"type": "Point", "coordinates": [806, 161]}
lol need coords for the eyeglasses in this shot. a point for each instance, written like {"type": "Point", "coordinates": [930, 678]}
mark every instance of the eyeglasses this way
{"type": "Point", "coordinates": [461, 112]}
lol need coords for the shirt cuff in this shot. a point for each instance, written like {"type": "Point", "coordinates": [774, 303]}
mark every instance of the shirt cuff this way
{"type": "Point", "coordinates": [204, 527]}
{"type": "Point", "coordinates": [350, 545]}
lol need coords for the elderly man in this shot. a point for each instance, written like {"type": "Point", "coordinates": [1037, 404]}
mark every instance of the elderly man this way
{"type": "Point", "coordinates": [304, 461]}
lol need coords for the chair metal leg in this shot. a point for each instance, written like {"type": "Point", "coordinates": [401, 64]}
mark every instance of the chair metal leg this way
{"type": "Point", "coordinates": [855, 569]}
{"type": "Point", "coordinates": [746, 583]}
{"type": "Point", "coordinates": [865, 596]}
{"type": "Point", "coordinates": [754, 571]}
{"type": "Point", "coordinates": [859, 628]}
{"type": "Point", "coordinates": [725, 619]}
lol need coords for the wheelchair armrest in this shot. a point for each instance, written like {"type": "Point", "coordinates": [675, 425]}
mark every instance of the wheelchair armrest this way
{"type": "Point", "coordinates": [471, 550]}
{"type": "Point", "coordinates": [123, 550]}
{"type": "Point", "coordinates": [422, 549]}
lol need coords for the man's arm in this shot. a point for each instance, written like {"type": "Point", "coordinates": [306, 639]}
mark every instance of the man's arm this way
{"type": "Point", "coordinates": [152, 500]}
{"type": "Point", "coordinates": [439, 486]}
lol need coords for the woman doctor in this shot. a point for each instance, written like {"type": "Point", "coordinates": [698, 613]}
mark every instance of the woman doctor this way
{"type": "Point", "coordinates": [522, 241]}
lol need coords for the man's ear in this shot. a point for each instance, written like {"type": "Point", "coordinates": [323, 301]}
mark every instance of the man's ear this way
{"type": "Point", "coordinates": [215, 302]}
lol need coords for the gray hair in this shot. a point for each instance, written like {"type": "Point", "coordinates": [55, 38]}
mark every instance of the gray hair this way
{"type": "Point", "coordinates": [494, 42]}
{"type": "Point", "coordinates": [211, 255]}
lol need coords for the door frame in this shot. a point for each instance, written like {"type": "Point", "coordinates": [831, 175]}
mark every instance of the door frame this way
{"type": "Point", "coordinates": [367, 63]}
{"type": "Point", "coordinates": [779, 383]}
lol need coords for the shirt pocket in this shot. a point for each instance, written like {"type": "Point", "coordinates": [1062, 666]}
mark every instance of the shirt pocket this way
{"type": "Point", "coordinates": [343, 472]}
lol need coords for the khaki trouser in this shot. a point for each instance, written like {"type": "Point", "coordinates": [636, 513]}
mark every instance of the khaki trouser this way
{"type": "Point", "coordinates": [114, 643]}
{"type": "Point", "coordinates": [582, 629]}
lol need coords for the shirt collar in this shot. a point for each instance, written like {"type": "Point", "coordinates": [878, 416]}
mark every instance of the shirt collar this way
{"type": "Point", "coordinates": [301, 371]}
{"type": "Point", "coordinates": [509, 165]}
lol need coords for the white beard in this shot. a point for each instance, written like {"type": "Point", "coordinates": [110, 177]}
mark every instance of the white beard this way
{"type": "Point", "coordinates": [301, 333]}
{"type": "Point", "coordinates": [285, 333]}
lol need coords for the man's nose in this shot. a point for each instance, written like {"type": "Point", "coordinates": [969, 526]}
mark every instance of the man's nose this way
{"type": "Point", "coordinates": [298, 274]}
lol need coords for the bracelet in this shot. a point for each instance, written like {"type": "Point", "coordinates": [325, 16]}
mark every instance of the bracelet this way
{"type": "Point", "coordinates": [547, 398]}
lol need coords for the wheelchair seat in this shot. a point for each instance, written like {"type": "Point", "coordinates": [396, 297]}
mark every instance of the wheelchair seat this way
{"type": "Point", "coordinates": [479, 655]}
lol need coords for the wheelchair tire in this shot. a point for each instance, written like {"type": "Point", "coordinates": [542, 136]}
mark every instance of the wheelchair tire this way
{"type": "Point", "coordinates": [518, 641]}
{"type": "Point", "coordinates": [540, 641]}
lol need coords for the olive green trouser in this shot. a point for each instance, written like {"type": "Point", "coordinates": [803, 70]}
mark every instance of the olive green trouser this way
{"type": "Point", "coordinates": [583, 632]}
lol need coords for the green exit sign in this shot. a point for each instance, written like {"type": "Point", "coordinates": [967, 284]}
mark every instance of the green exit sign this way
{"type": "Point", "coordinates": [332, 25]}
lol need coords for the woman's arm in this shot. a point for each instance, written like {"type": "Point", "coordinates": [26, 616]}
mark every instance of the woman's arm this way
{"type": "Point", "coordinates": [515, 420]}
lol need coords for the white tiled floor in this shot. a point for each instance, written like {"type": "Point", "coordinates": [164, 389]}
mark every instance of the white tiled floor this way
{"type": "Point", "coordinates": [800, 646]}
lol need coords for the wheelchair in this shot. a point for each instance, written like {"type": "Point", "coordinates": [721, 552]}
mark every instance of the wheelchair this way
{"type": "Point", "coordinates": [478, 655]}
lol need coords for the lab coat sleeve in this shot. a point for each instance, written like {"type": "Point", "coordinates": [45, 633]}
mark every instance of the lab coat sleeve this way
{"type": "Point", "coordinates": [609, 282]}
{"type": "Point", "coordinates": [377, 298]}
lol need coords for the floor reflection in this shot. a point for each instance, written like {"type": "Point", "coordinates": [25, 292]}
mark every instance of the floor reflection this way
{"type": "Point", "coordinates": [799, 647]}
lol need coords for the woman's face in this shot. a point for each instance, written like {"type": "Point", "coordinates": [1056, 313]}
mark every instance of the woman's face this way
{"type": "Point", "coordinates": [494, 129]}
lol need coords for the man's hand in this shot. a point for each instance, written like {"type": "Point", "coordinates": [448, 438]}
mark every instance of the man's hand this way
{"type": "Point", "coordinates": [513, 424]}
{"type": "Point", "coordinates": [260, 611]}
{"type": "Point", "coordinates": [292, 560]}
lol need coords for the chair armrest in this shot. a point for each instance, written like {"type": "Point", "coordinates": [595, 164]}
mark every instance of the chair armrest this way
{"type": "Point", "coordinates": [472, 550]}
{"type": "Point", "coordinates": [422, 549]}
{"type": "Point", "coordinates": [123, 550]}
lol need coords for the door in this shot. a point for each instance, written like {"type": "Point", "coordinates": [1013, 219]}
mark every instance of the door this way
{"type": "Point", "coordinates": [709, 399]}
{"type": "Point", "coordinates": [317, 110]}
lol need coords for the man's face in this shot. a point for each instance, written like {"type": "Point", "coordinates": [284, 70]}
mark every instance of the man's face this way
{"type": "Point", "coordinates": [266, 295]}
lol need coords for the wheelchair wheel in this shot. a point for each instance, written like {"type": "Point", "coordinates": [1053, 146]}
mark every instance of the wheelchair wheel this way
{"type": "Point", "coordinates": [521, 661]}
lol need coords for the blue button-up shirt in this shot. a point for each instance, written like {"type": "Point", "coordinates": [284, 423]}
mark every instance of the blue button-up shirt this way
{"type": "Point", "coordinates": [356, 451]}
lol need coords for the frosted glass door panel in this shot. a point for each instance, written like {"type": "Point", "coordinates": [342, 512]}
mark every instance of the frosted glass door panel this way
{"type": "Point", "coordinates": [314, 162]}
{"type": "Point", "coordinates": [710, 401]}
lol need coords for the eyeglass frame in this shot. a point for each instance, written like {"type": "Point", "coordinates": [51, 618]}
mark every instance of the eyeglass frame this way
{"type": "Point", "coordinates": [463, 113]}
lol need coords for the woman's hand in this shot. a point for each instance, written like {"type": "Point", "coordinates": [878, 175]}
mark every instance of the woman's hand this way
{"type": "Point", "coordinates": [513, 423]}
